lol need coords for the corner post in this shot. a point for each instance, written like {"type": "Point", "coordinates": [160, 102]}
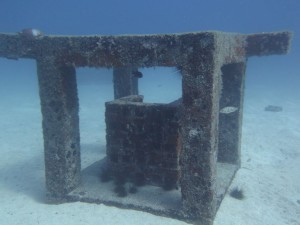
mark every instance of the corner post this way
{"type": "Point", "coordinates": [124, 82]}
{"type": "Point", "coordinates": [230, 124]}
{"type": "Point", "coordinates": [199, 131]}
{"type": "Point", "coordinates": [59, 105]}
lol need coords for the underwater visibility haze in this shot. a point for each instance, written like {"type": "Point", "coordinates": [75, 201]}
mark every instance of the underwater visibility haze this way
{"type": "Point", "coordinates": [265, 190]}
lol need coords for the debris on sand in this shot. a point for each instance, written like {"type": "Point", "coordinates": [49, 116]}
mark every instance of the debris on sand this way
{"type": "Point", "coordinates": [273, 108]}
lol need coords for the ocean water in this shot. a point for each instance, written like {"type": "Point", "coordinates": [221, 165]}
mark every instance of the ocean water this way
{"type": "Point", "coordinates": [270, 143]}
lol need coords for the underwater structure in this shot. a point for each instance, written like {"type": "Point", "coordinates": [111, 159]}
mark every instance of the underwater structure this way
{"type": "Point", "coordinates": [185, 153]}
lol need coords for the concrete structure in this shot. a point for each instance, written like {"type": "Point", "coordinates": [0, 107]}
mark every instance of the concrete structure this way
{"type": "Point", "coordinates": [212, 65]}
{"type": "Point", "coordinates": [143, 140]}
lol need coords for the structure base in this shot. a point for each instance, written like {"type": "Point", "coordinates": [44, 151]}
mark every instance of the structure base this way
{"type": "Point", "coordinates": [149, 198]}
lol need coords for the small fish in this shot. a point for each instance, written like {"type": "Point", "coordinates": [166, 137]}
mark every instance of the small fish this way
{"type": "Point", "coordinates": [137, 74]}
{"type": "Point", "coordinates": [228, 109]}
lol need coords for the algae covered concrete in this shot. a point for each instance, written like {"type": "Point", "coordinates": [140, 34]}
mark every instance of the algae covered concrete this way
{"type": "Point", "coordinates": [212, 65]}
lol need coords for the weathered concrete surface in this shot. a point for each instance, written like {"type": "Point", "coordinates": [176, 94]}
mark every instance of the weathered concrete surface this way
{"type": "Point", "coordinates": [125, 83]}
{"type": "Point", "coordinates": [140, 50]}
{"type": "Point", "coordinates": [59, 104]}
{"type": "Point", "coordinates": [149, 198]}
{"type": "Point", "coordinates": [268, 44]}
{"type": "Point", "coordinates": [142, 140]}
{"type": "Point", "coordinates": [212, 65]}
{"type": "Point", "coordinates": [230, 124]}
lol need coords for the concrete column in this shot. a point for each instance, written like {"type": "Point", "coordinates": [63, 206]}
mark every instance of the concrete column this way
{"type": "Point", "coordinates": [124, 82]}
{"type": "Point", "coordinates": [59, 105]}
{"type": "Point", "coordinates": [230, 120]}
{"type": "Point", "coordinates": [199, 133]}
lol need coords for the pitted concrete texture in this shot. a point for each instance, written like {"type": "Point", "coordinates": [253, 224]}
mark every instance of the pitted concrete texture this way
{"type": "Point", "coordinates": [142, 140]}
{"type": "Point", "coordinates": [212, 65]}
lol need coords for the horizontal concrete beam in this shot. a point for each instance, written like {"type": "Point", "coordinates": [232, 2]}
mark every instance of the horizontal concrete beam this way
{"type": "Point", "coordinates": [139, 50]}
{"type": "Point", "coordinates": [268, 43]}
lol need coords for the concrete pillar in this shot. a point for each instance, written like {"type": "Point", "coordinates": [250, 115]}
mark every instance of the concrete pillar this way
{"type": "Point", "coordinates": [59, 105]}
{"type": "Point", "coordinates": [199, 133]}
{"type": "Point", "coordinates": [230, 121]}
{"type": "Point", "coordinates": [125, 83]}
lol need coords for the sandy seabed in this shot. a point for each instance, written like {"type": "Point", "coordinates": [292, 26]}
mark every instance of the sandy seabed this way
{"type": "Point", "coordinates": [269, 174]}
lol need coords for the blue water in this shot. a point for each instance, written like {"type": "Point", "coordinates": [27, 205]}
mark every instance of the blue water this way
{"type": "Point", "coordinates": [271, 80]}
{"type": "Point", "coordinates": [162, 16]}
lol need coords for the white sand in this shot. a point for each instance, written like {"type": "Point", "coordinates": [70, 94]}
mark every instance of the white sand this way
{"type": "Point", "coordinates": [269, 175]}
